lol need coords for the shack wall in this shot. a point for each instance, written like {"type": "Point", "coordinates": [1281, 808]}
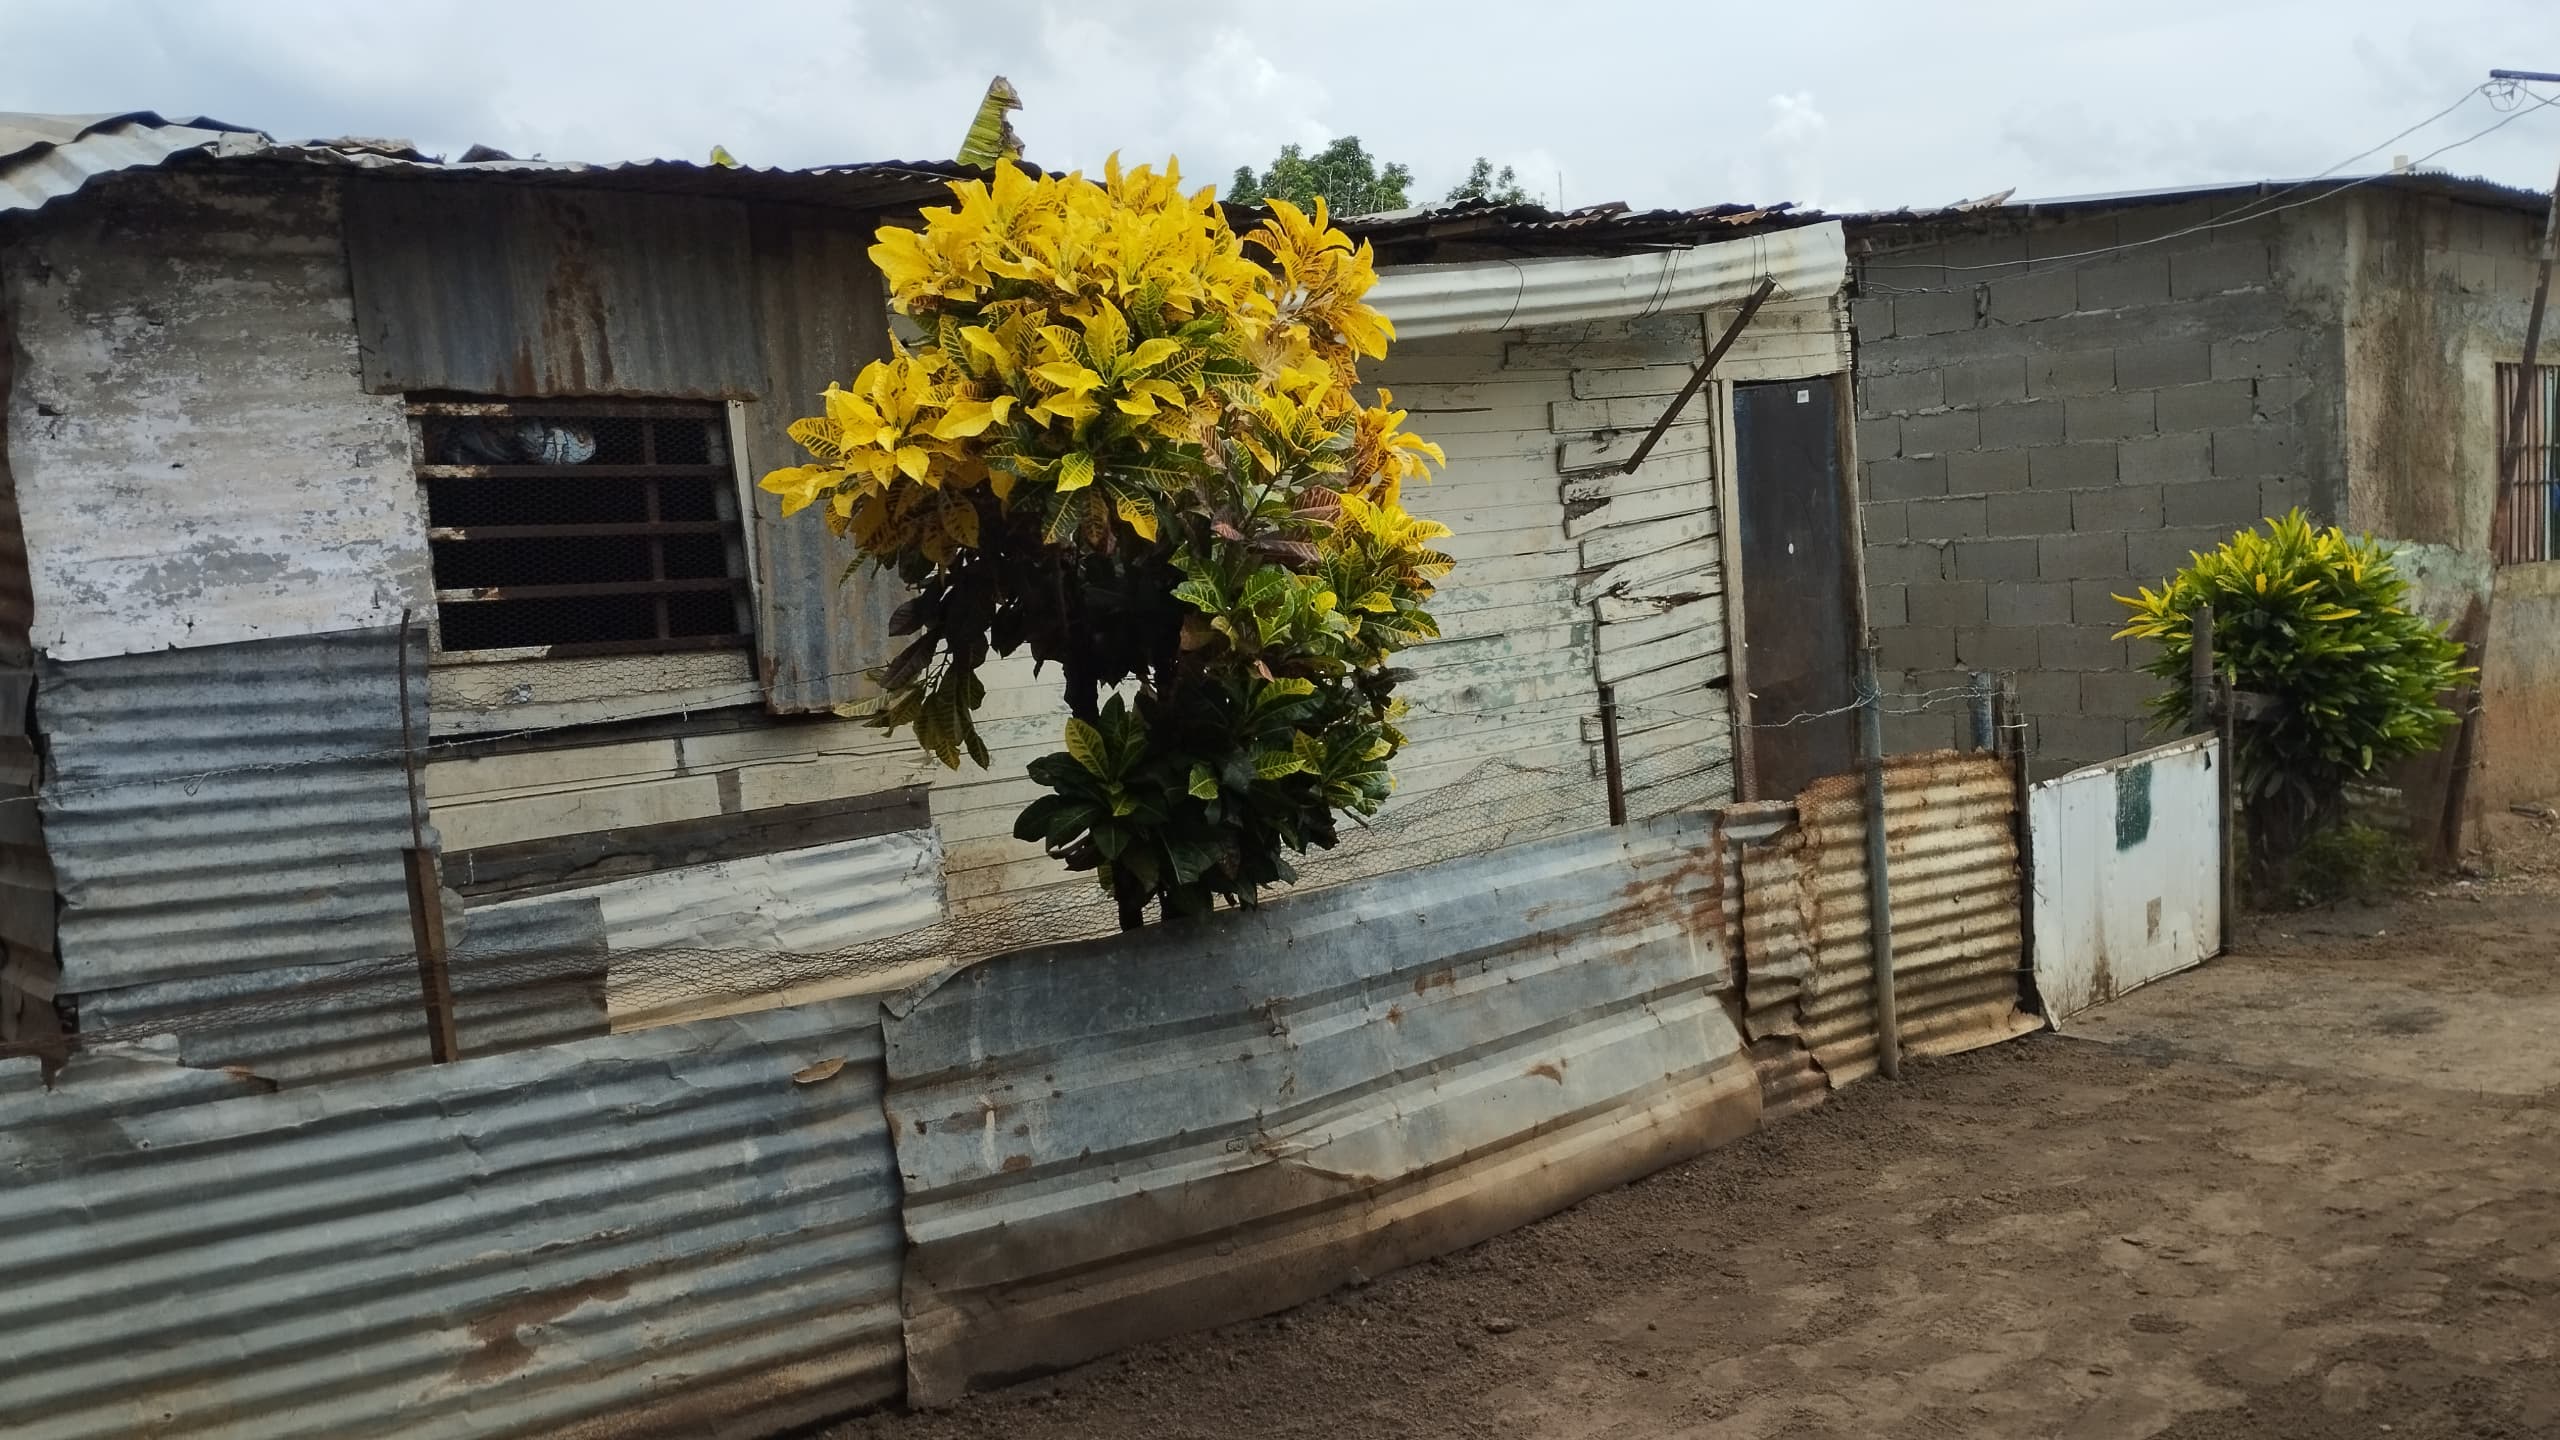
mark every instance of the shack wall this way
{"type": "Point", "coordinates": [2042, 429]}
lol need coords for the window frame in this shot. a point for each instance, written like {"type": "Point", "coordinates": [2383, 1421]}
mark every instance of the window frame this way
{"type": "Point", "coordinates": [733, 523]}
{"type": "Point", "coordinates": [2515, 537]}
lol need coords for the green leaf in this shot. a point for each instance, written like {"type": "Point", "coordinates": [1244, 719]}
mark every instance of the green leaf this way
{"type": "Point", "coordinates": [1204, 784]}
{"type": "Point", "coordinates": [1273, 764]}
{"type": "Point", "coordinates": [1085, 743]}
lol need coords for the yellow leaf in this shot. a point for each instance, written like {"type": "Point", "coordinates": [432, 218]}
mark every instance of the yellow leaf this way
{"type": "Point", "coordinates": [913, 462]}
{"type": "Point", "coordinates": [1151, 353]}
{"type": "Point", "coordinates": [1140, 515]}
{"type": "Point", "coordinates": [1067, 376]}
{"type": "Point", "coordinates": [1075, 472]}
{"type": "Point", "coordinates": [1085, 743]}
{"type": "Point", "coordinates": [800, 485]}
{"type": "Point", "coordinates": [960, 524]}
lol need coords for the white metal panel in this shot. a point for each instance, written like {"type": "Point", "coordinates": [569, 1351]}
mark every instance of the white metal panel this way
{"type": "Point", "coordinates": [2126, 884]}
{"type": "Point", "coordinates": [1494, 295]}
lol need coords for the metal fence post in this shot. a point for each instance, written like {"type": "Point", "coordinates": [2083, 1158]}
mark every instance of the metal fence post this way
{"type": "Point", "coordinates": [1985, 686]}
{"type": "Point", "coordinates": [1879, 883]}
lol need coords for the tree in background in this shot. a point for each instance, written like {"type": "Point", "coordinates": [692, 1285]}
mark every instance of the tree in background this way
{"type": "Point", "coordinates": [2317, 620]}
{"type": "Point", "coordinates": [1482, 184]}
{"type": "Point", "coordinates": [1128, 446]}
{"type": "Point", "coordinates": [1343, 175]}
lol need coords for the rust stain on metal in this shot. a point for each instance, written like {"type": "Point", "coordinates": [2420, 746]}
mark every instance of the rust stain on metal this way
{"type": "Point", "coordinates": [1445, 978]}
{"type": "Point", "coordinates": [1549, 1069]}
{"type": "Point", "coordinates": [502, 1351]}
{"type": "Point", "coordinates": [1014, 1163]}
{"type": "Point", "coordinates": [1395, 1014]}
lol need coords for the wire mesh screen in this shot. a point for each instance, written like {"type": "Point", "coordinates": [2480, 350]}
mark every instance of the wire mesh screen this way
{"type": "Point", "coordinates": [590, 529]}
{"type": "Point", "coordinates": [2528, 523]}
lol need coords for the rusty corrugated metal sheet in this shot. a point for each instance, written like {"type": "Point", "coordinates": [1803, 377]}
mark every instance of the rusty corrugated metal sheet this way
{"type": "Point", "coordinates": [219, 812]}
{"type": "Point", "coordinates": [822, 617]}
{"type": "Point", "coordinates": [689, 1231]}
{"type": "Point", "coordinates": [1958, 941]}
{"type": "Point", "coordinates": [27, 968]}
{"type": "Point", "coordinates": [1123, 1139]}
{"type": "Point", "coordinates": [509, 290]}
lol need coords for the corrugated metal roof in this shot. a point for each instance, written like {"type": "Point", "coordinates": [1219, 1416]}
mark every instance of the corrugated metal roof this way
{"type": "Point", "coordinates": [687, 1231]}
{"type": "Point", "coordinates": [1113, 1141]}
{"type": "Point", "coordinates": [1958, 937]}
{"type": "Point", "coordinates": [1500, 295]}
{"type": "Point", "coordinates": [2473, 189]}
{"type": "Point", "coordinates": [45, 157]}
{"type": "Point", "coordinates": [1530, 229]}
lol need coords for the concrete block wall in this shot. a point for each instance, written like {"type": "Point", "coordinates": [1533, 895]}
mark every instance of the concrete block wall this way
{"type": "Point", "coordinates": [2041, 429]}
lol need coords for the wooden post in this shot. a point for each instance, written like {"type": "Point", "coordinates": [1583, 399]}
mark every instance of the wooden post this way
{"type": "Point", "coordinates": [2200, 672]}
{"type": "Point", "coordinates": [1879, 881]}
{"type": "Point", "coordinates": [2226, 721]}
{"type": "Point", "coordinates": [426, 888]}
{"type": "Point", "coordinates": [2008, 726]}
{"type": "Point", "coordinates": [1613, 774]}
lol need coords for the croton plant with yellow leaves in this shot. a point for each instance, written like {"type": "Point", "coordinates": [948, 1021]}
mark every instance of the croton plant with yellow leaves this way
{"type": "Point", "coordinates": [1132, 441]}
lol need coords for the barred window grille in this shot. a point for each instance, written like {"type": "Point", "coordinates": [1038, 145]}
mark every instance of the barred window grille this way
{"type": "Point", "coordinates": [2528, 524]}
{"type": "Point", "coordinates": [565, 528]}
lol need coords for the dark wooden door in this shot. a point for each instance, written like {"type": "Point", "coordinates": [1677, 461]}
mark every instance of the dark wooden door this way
{"type": "Point", "coordinates": [1799, 617]}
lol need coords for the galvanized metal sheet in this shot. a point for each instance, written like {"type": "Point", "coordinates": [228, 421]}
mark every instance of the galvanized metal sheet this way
{"type": "Point", "coordinates": [690, 1231]}
{"type": "Point", "coordinates": [514, 291]}
{"type": "Point", "coordinates": [1121, 1139]}
{"type": "Point", "coordinates": [45, 157]}
{"type": "Point", "coordinates": [228, 808]}
{"type": "Point", "coordinates": [1493, 295]}
{"type": "Point", "coordinates": [1958, 941]}
{"type": "Point", "coordinates": [196, 463]}
{"type": "Point", "coordinates": [2128, 885]}
{"type": "Point", "coordinates": [822, 617]}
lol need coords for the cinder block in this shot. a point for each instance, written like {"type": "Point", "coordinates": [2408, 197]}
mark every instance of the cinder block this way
{"type": "Point", "coordinates": [2028, 422]}
{"type": "Point", "coordinates": [2163, 362]}
{"type": "Point", "coordinates": [2284, 493]}
{"type": "Point", "coordinates": [1907, 479]}
{"type": "Point", "coordinates": [2032, 512]}
{"type": "Point", "coordinates": [2217, 268]}
{"type": "Point", "coordinates": [1981, 472]}
{"type": "Point", "coordinates": [2079, 647]}
{"type": "Point", "coordinates": [2074, 236]}
{"type": "Point", "coordinates": [2068, 742]}
{"type": "Point", "coordinates": [2159, 553]}
{"type": "Point", "coordinates": [2278, 352]}
{"type": "Point", "coordinates": [2043, 603]}
{"type": "Point", "coordinates": [1916, 647]}
{"type": "Point", "coordinates": [1947, 603]}
{"type": "Point", "coordinates": [1979, 254]}
{"type": "Point", "coordinates": [2116, 416]}
{"type": "Point", "coordinates": [2076, 557]}
{"type": "Point", "coordinates": [2120, 693]}
{"type": "Point", "coordinates": [1934, 312]}
{"type": "Point", "coordinates": [2136, 279]}
{"type": "Point", "coordinates": [1996, 648]}
{"type": "Point", "coordinates": [1904, 564]}
{"type": "Point", "coordinates": [1996, 560]}
{"type": "Point", "coordinates": [2094, 602]}
{"type": "Point", "coordinates": [1879, 438]}
{"type": "Point", "coordinates": [2072, 467]}
{"type": "Point", "coordinates": [1908, 734]}
{"type": "Point", "coordinates": [2202, 407]}
{"type": "Point", "coordinates": [1987, 382]}
{"type": "Point", "coordinates": [2253, 450]}
{"type": "Point", "coordinates": [1899, 392]}
{"type": "Point", "coordinates": [1940, 432]}
{"type": "Point", "coordinates": [2048, 692]}
{"type": "Point", "coordinates": [2143, 224]}
{"type": "Point", "coordinates": [1872, 317]}
{"type": "Point", "coordinates": [2154, 459]}
{"type": "Point", "coordinates": [2230, 504]}
{"type": "Point", "coordinates": [1885, 606]}
{"type": "Point", "coordinates": [1948, 518]}
{"type": "Point", "coordinates": [2072, 372]}
{"type": "Point", "coordinates": [2118, 507]}
{"type": "Point", "coordinates": [2278, 395]}
{"type": "Point", "coordinates": [2019, 299]}
{"type": "Point", "coordinates": [1884, 521]}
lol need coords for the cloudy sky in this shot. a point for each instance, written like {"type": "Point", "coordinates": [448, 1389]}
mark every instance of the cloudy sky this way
{"type": "Point", "coordinates": [1823, 102]}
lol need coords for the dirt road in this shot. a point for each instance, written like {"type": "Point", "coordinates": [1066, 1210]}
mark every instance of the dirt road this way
{"type": "Point", "coordinates": [2311, 1190]}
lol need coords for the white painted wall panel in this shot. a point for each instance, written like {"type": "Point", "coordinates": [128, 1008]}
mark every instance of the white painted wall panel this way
{"type": "Point", "coordinates": [2127, 887]}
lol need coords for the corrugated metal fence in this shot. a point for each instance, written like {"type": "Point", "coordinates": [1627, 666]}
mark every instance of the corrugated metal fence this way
{"type": "Point", "coordinates": [697, 1229]}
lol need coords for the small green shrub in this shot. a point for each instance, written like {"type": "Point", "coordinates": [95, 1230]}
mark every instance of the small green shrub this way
{"type": "Point", "coordinates": [2349, 860]}
{"type": "Point", "coordinates": [2317, 620]}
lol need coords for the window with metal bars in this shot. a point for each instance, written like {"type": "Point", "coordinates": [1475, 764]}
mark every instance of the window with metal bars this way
{"type": "Point", "coordinates": [2528, 525]}
{"type": "Point", "coordinates": [564, 528]}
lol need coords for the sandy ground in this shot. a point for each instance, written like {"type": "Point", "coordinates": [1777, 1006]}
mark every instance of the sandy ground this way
{"type": "Point", "coordinates": [2310, 1190]}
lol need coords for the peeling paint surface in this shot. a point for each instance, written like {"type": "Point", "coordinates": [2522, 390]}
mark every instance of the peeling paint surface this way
{"type": "Point", "coordinates": [2111, 915]}
{"type": "Point", "coordinates": [664, 1233]}
{"type": "Point", "coordinates": [196, 459]}
{"type": "Point", "coordinates": [1113, 1141]}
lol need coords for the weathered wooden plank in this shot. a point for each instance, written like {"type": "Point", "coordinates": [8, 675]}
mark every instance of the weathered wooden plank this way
{"type": "Point", "coordinates": [1619, 665]}
{"type": "Point", "coordinates": [1658, 472]}
{"type": "Point", "coordinates": [1632, 327]}
{"type": "Point", "coordinates": [1686, 349]}
{"type": "Point", "coordinates": [531, 867]}
{"type": "Point", "coordinates": [1477, 419]}
{"type": "Point", "coordinates": [1610, 449]}
{"type": "Point", "coordinates": [1566, 417]}
{"type": "Point", "coordinates": [1478, 392]}
{"type": "Point", "coordinates": [1657, 621]}
{"type": "Point", "coordinates": [1640, 506]}
{"type": "Point", "coordinates": [1642, 772]}
{"type": "Point", "coordinates": [1699, 716]}
{"type": "Point", "coordinates": [1622, 609]}
{"type": "Point", "coordinates": [1663, 380]}
{"type": "Point", "coordinates": [1683, 566]}
{"type": "Point", "coordinates": [1620, 543]}
{"type": "Point", "coordinates": [1670, 680]}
